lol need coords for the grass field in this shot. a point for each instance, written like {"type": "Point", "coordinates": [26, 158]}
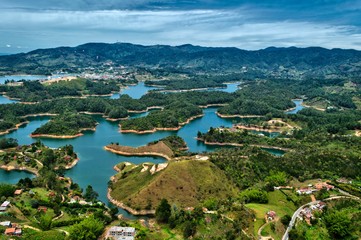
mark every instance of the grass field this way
{"type": "Point", "coordinates": [278, 203]}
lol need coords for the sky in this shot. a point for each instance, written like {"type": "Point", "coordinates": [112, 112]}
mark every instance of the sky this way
{"type": "Point", "coordinates": [26, 25]}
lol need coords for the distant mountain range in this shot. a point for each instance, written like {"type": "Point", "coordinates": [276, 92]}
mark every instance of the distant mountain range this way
{"type": "Point", "coordinates": [297, 61]}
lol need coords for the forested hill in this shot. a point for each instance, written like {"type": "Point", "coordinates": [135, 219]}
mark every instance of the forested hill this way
{"type": "Point", "coordinates": [313, 60]}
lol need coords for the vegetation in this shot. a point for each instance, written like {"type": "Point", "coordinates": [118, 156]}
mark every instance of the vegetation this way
{"type": "Point", "coordinates": [173, 116]}
{"type": "Point", "coordinates": [163, 211]}
{"type": "Point", "coordinates": [66, 124]}
{"type": "Point", "coordinates": [8, 143]}
{"type": "Point", "coordinates": [88, 229]}
{"type": "Point", "coordinates": [246, 166]}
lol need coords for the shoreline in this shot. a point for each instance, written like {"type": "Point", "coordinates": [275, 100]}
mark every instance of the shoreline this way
{"type": "Point", "coordinates": [308, 106]}
{"type": "Point", "coordinates": [12, 168]}
{"type": "Point", "coordinates": [146, 110]}
{"type": "Point", "coordinates": [213, 105]}
{"type": "Point", "coordinates": [258, 129]}
{"type": "Point", "coordinates": [14, 128]}
{"type": "Point", "coordinates": [127, 208]}
{"type": "Point", "coordinates": [241, 145]}
{"type": "Point", "coordinates": [62, 136]}
{"type": "Point", "coordinates": [160, 129]}
{"type": "Point", "coordinates": [238, 116]}
{"type": "Point", "coordinates": [191, 90]}
{"type": "Point", "coordinates": [40, 115]}
{"type": "Point", "coordinates": [137, 154]}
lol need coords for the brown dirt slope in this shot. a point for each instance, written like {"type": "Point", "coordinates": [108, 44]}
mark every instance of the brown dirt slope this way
{"type": "Point", "coordinates": [159, 147]}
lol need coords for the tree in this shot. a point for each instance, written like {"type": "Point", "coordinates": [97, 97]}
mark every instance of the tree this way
{"type": "Point", "coordinates": [88, 229]}
{"type": "Point", "coordinates": [276, 179]}
{"type": "Point", "coordinates": [285, 220]}
{"type": "Point", "coordinates": [45, 221]}
{"type": "Point", "coordinates": [163, 211]}
{"type": "Point", "coordinates": [6, 190]}
{"type": "Point", "coordinates": [90, 194]}
{"type": "Point", "coordinates": [190, 229]}
{"type": "Point", "coordinates": [338, 224]}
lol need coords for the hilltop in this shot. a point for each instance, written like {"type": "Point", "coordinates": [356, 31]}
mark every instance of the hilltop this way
{"type": "Point", "coordinates": [185, 183]}
{"type": "Point", "coordinates": [302, 61]}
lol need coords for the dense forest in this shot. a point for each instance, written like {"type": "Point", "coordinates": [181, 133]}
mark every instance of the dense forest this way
{"type": "Point", "coordinates": [196, 82]}
{"type": "Point", "coordinates": [172, 116]}
{"type": "Point", "coordinates": [66, 124]}
{"type": "Point", "coordinates": [247, 166]}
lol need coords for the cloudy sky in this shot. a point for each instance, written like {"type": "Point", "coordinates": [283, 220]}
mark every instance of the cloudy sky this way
{"type": "Point", "coordinates": [248, 24]}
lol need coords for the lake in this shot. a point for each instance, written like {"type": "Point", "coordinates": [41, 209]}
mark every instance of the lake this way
{"type": "Point", "coordinates": [5, 100]}
{"type": "Point", "coordinates": [96, 165]}
{"type": "Point", "coordinates": [298, 107]}
{"type": "Point", "coordinates": [22, 77]}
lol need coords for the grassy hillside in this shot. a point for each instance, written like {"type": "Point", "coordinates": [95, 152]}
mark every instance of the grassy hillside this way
{"type": "Point", "coordinates": [184, 183]}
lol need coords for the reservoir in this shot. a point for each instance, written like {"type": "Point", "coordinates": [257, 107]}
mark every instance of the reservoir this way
{"type": "Point", "coordinates": [96, 165]}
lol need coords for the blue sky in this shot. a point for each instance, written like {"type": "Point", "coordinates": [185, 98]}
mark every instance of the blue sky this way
{"type": "Point", "coordinates": [26, 25]}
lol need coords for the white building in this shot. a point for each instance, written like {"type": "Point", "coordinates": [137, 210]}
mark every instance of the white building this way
{"type": "Point", "coordinates": [121, 233]}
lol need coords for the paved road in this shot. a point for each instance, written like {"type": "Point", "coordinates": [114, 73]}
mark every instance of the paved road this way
{"type": "Point", "coordinates": [294, 217]}
{"type": "Point", "coordinates": [295, 214]}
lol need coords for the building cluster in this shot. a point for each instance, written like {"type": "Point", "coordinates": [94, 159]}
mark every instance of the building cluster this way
{"type": "Point", "coordinates": [314, 188]}
{"type": "Point", "coordinates": [11, 228]}
{"type": "Point", "coordinates": [307, 212]}
{"type": "Point", "coordinates": [121, 233]}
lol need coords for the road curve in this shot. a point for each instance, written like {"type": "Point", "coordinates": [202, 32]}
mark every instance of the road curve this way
{"type": "Point", "coordinates": [295, 214]}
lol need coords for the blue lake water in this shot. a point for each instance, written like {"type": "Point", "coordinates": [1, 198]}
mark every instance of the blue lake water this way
{"type": "Point", "coordinates": [21, 77]}
{"type": "Point", "coordinates": [5, 100]}
{"type": "Point", "coordinates": [96, 165]}
{"type": "Point", "coordinates": [298, 107]}
{"type": "Point", "coordinates": [135, 91]}
{"type": "Point", "coordinates": [29, 77]}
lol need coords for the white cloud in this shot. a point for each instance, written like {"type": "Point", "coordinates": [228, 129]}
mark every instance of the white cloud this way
{"type": "Point", "coordinates": [236, 27]}
{"type": "Point", "coordinates": [8, 45]}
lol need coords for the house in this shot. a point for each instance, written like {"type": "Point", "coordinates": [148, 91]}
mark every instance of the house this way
{"type": "Point", "coordinates": [5, 204]}
{"type": "Point", "coordinates": [42, 209]}
{"type": "Point", "coordinates": [343, 180]}
{"type": "Point", "coordinates": [13, 231]}
{"type": "Point", "coordinates": [18, 232]}
{"type": "Point", "coordinates": [304, 191]}
{"type": "Point", "coordinates": [320, 186]}
{"type": "Point", "coordinates": [306, 213]}
{"type": "Point", "coordinates": [18, 192]}
{"type": "Point", "coordinates": [10, 231]}
{"type": "Point", "coordinates": [6, 224]}
{"type": "Point", "coordinates": [271, 215]}
{"type": "Point", "coordinates": [3, 209]}
{"type": "Point", "coordinates": [121, 233]}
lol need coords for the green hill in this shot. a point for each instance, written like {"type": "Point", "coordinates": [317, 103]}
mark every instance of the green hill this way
{"type": "Point", "coordinates": [184, 183]}
{"type": "Point", "coordinates": [312, 60]}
